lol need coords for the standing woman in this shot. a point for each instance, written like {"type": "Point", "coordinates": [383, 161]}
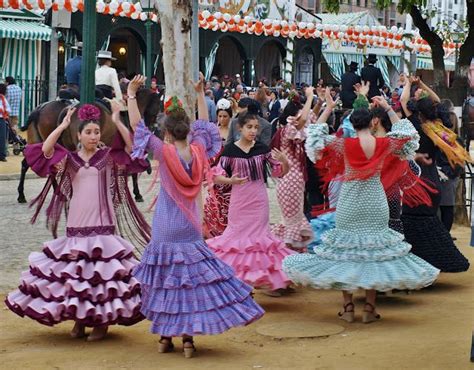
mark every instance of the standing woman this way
{"type": "Point", "coordinates": [187, 291]}
{"type": "Point", "coordinates": [428, 236]}
{"type": "Point", "coordinates": [262, 98]}
{"type": "Point", "coordinates": [216, 206]}
{"type": "Point", "coordinates": [84, 276]}
{"type": "Point", "coordinates": [294, 229]}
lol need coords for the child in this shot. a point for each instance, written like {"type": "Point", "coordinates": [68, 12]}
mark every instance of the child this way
{"type": "Point", "coordinates": [247, 243]}
{"type": "Point", "coordinates": [361, 252]}
{"type": "Point", "coordinates": [84, 276]}
{"type": "Point", "coordinates": [186, 290]}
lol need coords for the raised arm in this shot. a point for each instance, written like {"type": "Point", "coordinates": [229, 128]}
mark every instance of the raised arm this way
{"type": "Point", "coordinates": [426, 88]}
{"type": "Point", "coordinates": [133, 112]}
{"type": "Point", "coordinates": [330, 105]}
{"type": "Point", "coordinates": [51, 140]}
{"type": "Point", "coordinates": [382, 103]}
{"type": "Point", "coordinates": [121, 127]}
{"type": "Point", "coordinates": [309, 92]}
{"type": "Point", "coordinates": [405, 97]}
{"type": "Point", "coordinates": [203, 112]}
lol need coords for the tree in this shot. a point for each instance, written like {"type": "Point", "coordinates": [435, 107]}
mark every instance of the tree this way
{"type": "Point", "coordinates": [416, 8]}
{"type": "Point", "coordinates": [176, 20]}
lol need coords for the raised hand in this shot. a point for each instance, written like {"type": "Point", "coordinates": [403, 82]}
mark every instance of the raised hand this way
{"type": "Point", "coordinates": [309, 92]}
{"type": "Point", "coordinates": [67, 118]}
{"type": "Point", "coordinates": [380, 102]}
{"type": "Point", "coordinates": [199, 84]}
{"type": "Point", "coordinates": [320, 91]}
{"type": "Point", "coordinates": [135, 84]}
{"type": "Point", "coordinates": [330, 103]}
{"type": "Point", "coordinates": [362, 88]}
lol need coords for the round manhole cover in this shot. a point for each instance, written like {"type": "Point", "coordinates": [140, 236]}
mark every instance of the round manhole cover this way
{"type": "Point", "coordinates": [299, 329]}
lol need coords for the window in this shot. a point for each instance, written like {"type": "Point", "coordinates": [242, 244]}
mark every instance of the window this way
{"type": "Point", "coordinates": [455, 17]}
{"type": "Point", "coordinates": [358, 2]}
{"type": "Point", "coordinates": [456, 2]}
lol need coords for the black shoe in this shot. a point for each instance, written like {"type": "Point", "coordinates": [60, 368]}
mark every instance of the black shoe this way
{"type": "Point", "coordinates": [3, 159]}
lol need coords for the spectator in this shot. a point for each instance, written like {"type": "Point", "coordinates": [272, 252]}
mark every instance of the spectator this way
{"type": "Point", "coordinates": [211, 106]}
{"type": "Point", "coordinates": [264, 134]}
{"type": "Point", "coordinates": [13, 96]}
{"type": "Point", "coordinates": [262, 99]}
{"type": "Point", "coordinates": [238, 81]}
{"type": "Point", "coordinates": [4, 112]}
{"type": "Point", "coordinates": [154, 85]}
{"type": "Point", "coordinates": [348, 81]}
{"type": "Point", "coordinates": [217, 89]}
{"type": "Point", "coordinates": [274, 106]}
{"type": "Point", "coordinates": [373, 75]}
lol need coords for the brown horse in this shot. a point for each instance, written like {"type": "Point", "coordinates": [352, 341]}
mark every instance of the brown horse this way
{"type": "Point", "coordinates": [44, 119]}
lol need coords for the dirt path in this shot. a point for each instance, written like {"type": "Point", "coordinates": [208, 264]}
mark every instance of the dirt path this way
{"type": "Point", "coordinates": [430, 329]}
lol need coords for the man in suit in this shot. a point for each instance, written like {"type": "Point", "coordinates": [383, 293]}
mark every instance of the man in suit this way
{"type": "Point", "coordinates": [373, 75]}
{"type": "Point", "coordinates": [348, 80]}
{"type": "Point", "coordinates": [264, 134]}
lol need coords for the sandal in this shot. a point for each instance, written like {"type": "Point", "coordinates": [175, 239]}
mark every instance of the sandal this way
{"type": "Point", "coordinates": [98, 333]}
{"type": "Point", "coordinates": [348, 313]}
{"type": "Point", "coordinates": [370, 315]}
{"type": "Point", "coordinates": [165, 345]}
{"type": "Point", "coordinates": [188, 347]}
{"type": "Point", "coordinates": [78, 331]}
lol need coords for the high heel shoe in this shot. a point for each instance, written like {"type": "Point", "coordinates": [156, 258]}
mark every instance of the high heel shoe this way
{"type": "Point", "coordinates": [370, 315]}
{"type": "Point", "coordinates": [188, 347]}
{"type": "Point", "coordinates": [348, 314]}
{"type": "Point", "coordinates": [78, 331]}
{"type": "Point", "coordinates": [165, 345]}
{"type": "Point", "coordinates": [98, 333]}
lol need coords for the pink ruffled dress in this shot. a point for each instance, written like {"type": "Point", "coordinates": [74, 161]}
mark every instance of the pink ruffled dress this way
{"type": "Point", "coordinates": [85, 275]}
{"type": "Point", "coordinates": [294, 228]}
{"type": "Point", "coordinates": [247, 243]}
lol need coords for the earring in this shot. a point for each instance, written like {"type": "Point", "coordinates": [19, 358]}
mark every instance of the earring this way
{"type": "Point", "coordinates": [79, 146]}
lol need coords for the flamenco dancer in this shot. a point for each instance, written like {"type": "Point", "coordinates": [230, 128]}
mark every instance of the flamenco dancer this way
{"type": "Point", "coordinates": [294, 229]}
{"type": "Point", "coordinates": [84, 276]}
{"type": "Point", "coordinates": [423, 229]}
{"type": "Point", "coordinates": [361, 252]}
{"type": "Point", "coordinates": [247, 243]}
{"type": "Point", "coordinates": [186, 290]}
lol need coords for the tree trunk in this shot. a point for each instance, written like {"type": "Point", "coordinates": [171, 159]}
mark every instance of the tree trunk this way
{"type": "Point", "coordinates": [176, 20]}
{"type": "Point", "coordinates": [466, 52]}
{"type": "Point", "coordinates": [436, 44]}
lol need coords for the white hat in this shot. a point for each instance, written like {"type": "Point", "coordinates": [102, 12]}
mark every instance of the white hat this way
{"type": "Point", "coordinates": [237, 75]}
{"type": "Point", "coordinates": [105, 54]}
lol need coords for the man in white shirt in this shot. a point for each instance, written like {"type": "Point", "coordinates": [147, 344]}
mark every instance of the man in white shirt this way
{"type": "Point", "coordinates": [106, 78]}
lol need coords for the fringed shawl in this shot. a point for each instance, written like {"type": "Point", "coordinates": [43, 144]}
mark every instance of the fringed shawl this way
{"type": "Point", "coordinates": [61, 169]}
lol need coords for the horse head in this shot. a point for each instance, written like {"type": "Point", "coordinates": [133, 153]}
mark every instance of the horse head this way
{"type": "Point", "coordinates": [150, 105]}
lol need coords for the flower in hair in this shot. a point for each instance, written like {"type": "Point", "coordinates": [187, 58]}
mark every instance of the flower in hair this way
{"type": "Point", "coordinates": [223, 104]}
{"type": "Point", "coordinates": [294, 97]}
{"type": "Point", "coordinates": [173, 104]}
{"type": "Point", "coordinates": [89, 112]}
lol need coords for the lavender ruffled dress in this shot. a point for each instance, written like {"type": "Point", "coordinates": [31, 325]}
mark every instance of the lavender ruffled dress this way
{"type": "Point", "coordinates": [186, 289]}
{"type": "Point", "coordinates": [84, 276]}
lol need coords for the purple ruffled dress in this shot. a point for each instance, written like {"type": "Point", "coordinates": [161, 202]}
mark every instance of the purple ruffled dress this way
{"type": "Point", "coordinates": [84, 276]}
{"type": "Point", "coordinates": [186, 289]}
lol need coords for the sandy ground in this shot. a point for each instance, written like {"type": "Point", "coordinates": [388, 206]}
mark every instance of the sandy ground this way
{"type": "Point", "coordinates": [429, 329]}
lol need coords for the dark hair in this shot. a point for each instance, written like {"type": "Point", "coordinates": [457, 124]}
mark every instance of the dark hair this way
{"type": "Point", "coordinates": [245, 118]}
{"type": "Point", "coordinates": [10, 80]}
{"type": "Point", "coordinates": [3, 89]}
{"type": "Point", "coordinates": [83, 124]}
{"type": "Point", "coordinates": [229, 111]}
{"type": "Point", "coordinates": [426, 108]}
{"type": "Point", "coordinates": [360, 118]}
{"type": "Point", "coordinates": [384, 118]}
{"type": "Point", "coordinates": [177, 123]}
{"type": "Point", "coordinates": [291, 109]}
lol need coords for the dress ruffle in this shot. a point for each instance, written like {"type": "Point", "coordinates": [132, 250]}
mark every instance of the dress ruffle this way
{"type": "Point", "coordinates": [293, 234]}
{"type": "Point", "coordinates": [207, 134]}
{"type": "Point", "coordinates": [320, 225]}
{"type": "Point", "coordinates": [257, 262]}
{"type": "Point", "coordinates": [187, 290]}
{"type": "Point", "coordinates": [405, 272]}
{"type": "Point", "coordinates": [87, 280]}
{"type": "Point", "coordinates": [317, 139]}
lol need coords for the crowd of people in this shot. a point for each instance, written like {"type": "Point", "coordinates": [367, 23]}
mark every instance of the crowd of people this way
{"type": "Point", "coordinates": [359, 190]}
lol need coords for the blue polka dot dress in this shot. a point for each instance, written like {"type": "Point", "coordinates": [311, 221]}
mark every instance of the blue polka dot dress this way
{"type": "Point", "coordinates": [361, 252]}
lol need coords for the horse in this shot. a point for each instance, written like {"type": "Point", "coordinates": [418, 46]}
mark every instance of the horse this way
{"type": "Point", "coordinates": [45, 118]}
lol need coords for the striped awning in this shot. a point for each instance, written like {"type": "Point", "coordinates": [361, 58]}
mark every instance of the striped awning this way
{"type": "Point", "coordinates": [427, 64]}
{"type": "Point", "coordinates": [24, 30]}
